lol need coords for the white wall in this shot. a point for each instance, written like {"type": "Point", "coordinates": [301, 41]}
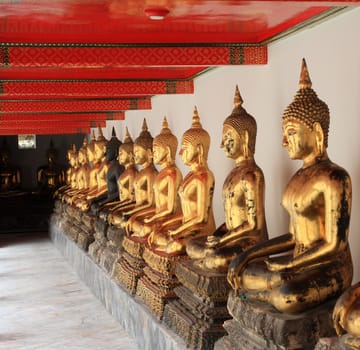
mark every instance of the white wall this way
{"type": "Point", "coordinates": [332, 52]}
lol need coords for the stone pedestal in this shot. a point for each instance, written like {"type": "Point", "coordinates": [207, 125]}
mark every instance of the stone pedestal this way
{"type": "Point", "coordinates": [258, 326]}
{"type": "Point", "coordinates": [96, 248]}
{"type": "Point", "coordinates": [113, 249]}
{"type": "Point", "coordinates": [156, 285]}
{"type": "Point", "coordinates": [337, 343]}
{"type": "Point", "coordinates": [197, 316]}
{"type": "Point", "coordinates": [86, 235]}
{"type": "Point", "coordinates": [129, 267]}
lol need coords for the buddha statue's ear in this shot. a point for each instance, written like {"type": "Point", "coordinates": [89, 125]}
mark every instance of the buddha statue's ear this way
{"type": "Point", "coordinates": [246, 143]}
{"type": "Point", "coordinates": [149, 153]}
{"type": "Point", "coordinates": [169, 156]}
{"type": "Point", "coordinates": [319, 136]}
{"type": "Point", "coordinates": [200, 149]}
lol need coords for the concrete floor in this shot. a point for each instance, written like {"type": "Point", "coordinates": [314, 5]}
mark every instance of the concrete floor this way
{"type": "Point", "coordinates": [43, 304]}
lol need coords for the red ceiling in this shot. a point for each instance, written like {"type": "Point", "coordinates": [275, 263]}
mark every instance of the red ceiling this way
{"type": "Point", "coordinates": [65, 57]}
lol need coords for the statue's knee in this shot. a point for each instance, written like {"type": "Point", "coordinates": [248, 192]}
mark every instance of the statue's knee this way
{"type": "Point", "coordinates": [285, 301]}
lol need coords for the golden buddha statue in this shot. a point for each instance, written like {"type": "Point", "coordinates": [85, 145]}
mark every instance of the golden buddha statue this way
{"type": "Point", "coordinates": [50, 176]}
{"type": "Point", "coordinates": [196, 192]}
{"type": "Point", "coordinates": [143, 182]}
{"type": "Point", "coordinates": [59, 191]}
{"type": "Point", "coordinates": [166, 187]}
{"type": "Point", "coordinates": [125, 181]}
{"type": "Point", "coordinates": [83, 173]}
{"type": "Point", "coordinates": [315, 263]}
{"type": "Point", "coordinates": [243, 197]}
{"type": "Point", "coordinates": [10, 176]}
{"type": "Point", "coordinates": [67, 192]}
{"type": "Point", "coordinates": [346, 316]}
{"type": "Point", "coordinates": [97, 174]}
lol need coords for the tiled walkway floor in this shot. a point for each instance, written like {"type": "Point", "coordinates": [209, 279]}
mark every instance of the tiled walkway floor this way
{"type": "Point", "coordinates": [44, 306]}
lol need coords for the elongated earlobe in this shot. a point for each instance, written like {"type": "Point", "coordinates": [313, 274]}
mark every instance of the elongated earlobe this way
{"type": "Point", "coordinates": [319, 134]}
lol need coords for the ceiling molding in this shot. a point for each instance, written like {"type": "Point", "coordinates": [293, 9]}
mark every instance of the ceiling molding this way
{"type": "Point", "coordinates": [84, 105]}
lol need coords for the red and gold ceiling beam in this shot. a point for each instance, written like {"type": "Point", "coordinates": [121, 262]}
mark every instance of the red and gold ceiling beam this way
{"type": "Point", "coordinates": [45, 131]}
{"type": "Point", "coordinates": [31, 89]}
{"type": "Point", "coordinates": [126, 55]}
{"type": "Point", "coordinates": [64, 117]}
{"type": "Point", "coordinates": [79, 105]}
{"type": "Point", "coordinates": [18, 124]}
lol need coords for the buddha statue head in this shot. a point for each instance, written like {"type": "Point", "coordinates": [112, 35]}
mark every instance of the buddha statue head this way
{"type": "Point", "coordinates": [90, 149]}
{"type": "Point", "coordinates": [82, 156]}
{"type": "Point", "coordinates": [100, 146]}
{"type": "Point", "coordinates": [195, 142]}
{"type": "Point", "coordinates": [165, 145]}
{"type": "Point", "coordinates": [308, 118]}
{"type": "Point", "coordinates": [143, 146]}
{"type": "Point", "coordinates": [126, 150]}
{"type": "Point", "coordinates": [51, 154]}
{"type": "Point", "coordinates": [239, 131]}
{"type": "Point", "coordinates": [112, 147]}
{"type": "Point", "coordinates": [73, 156]}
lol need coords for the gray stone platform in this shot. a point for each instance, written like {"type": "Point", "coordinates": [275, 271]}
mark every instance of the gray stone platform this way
{"type": "Point", "coordinates": [149, 333]}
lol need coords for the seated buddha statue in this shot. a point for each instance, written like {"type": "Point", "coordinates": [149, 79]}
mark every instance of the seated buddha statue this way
{"type": "Point", "coordinates": [195, 191]}
{"type": "Point", "coordinates": [125, 181]}
{"type": "Point", "coordinates": [59, 191]}
{"type": "Point", "coordinates": [143, 182]}
{"type": "Point", "coordinates": [10, 176]}
{"type": "Point", "coordinates": [71, 175]}
{"type": "Point", "coordinates": [50, 176]}
{"type": "Point", "coordinates": [83, 173]}
{"type": "Point", "coordinates": [346, 316]}
{"type": "Point", "coordinates": [166, 187]}
{"type": "Point", "coordinates": [310, 264]}
{"type": "Point", "coordinates": [100, 168]}
{"type": "Point", "coordinates": [114, 170]}
{"type": "Point", "coordinates": [243, 197]}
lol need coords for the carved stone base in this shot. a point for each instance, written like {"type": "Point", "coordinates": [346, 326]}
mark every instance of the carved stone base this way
{"type": "Point", "coordinates": [199, 313]}
{"type": "Point", "coordinates": [196, 333]}
{"type": "Point", "coordinates": [338, 343]}
{"type": "Point", "coordinates": [108, 256]}
{"type": "Point", "coordinates": [155, 296]}
{"type": "Point", "coordinates": [156, 286]}
{"type": "Point", "coordinates": [96, 248]}
{"type": "Point", "coordinates": [85, 238]}
{"type": "Point", "coordinates": [258, 326]}
{"type": "Point", "coordinates": [127, 270]}
{"type": "Point", "coordinates": [210, 286]}
{"type": "Point", "coordinates": [88, 220]}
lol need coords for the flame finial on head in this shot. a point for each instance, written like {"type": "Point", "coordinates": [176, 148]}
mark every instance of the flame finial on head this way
{"type": "Point", "coordinates": [100, 135]}
{"type": "Point", "coordinates": [127, 138]}
{"type": "Point", "coordinates": [144, 125]}
{"type": "Point", "coordinates": [196, 119]}
{"type": "Point", "coordinates": [238, 101]}
{"type": "Point", "coordinates": [305, 81]}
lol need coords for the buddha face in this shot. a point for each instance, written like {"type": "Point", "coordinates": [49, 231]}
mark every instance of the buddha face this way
{"type": "Point", "coordinates": [188, 152]}
{"type": "Point", "coordinates": [232, 142]}
{"type": "Point", "coordinates": [140, 155]}
{"type": "Point", "coordinates": [90, 154]}
{"type": "Point", "coordinates": [160, 153]}
{"type": "Point", "coordinates": [298, 139]}
{"type": "Point", "coordinates": [81, 157]}
{"type": "Point", "coordinates": [99, 151]}
{"type": "Point", "coordinates": [124, 156]}
{"type": "Point", "coordinates": [72, 159]}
